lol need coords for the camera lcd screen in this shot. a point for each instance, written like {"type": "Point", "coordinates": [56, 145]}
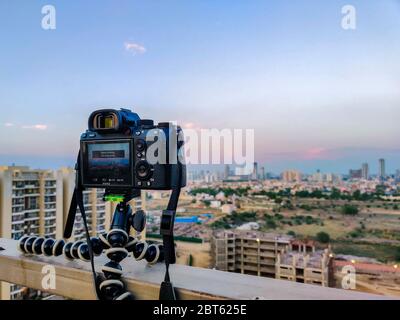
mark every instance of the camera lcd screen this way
{"type": "Point", "coordinates": [107, 163]}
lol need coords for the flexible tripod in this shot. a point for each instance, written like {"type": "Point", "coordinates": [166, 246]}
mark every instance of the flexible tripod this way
{"type": "Point", "coordinates": [117, 241]}
{"type": "Point", "coordinates": [117, 244]}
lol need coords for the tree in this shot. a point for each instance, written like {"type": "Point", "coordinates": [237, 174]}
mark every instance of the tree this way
{"type": "Point", "coordinates": [349, 209]}
{"type": "Point", "coordinates": [323, 237]}
{"type": "Point", "coordinates": [397, 254]}
{"type": "Point", "coordinates": [271, 224]}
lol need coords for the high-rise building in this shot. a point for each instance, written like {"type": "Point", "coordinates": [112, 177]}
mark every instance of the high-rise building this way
{"type": "Point", "coordinates": [291, 176]}
{"type": "Point", "coordinates": [382, 169]}
{"type": "Point", "coordinates": [36, 202]}
{"type": "Point", "coordinates": [226, 172]}
{"type": "Point", "coordinates": [31, 204]}
{"type": "Point", "coordinates": [397, 176]}
{"type": "Point", "coordinates": [318, 176]}
{"type": "Point", "coordinates": [355, 173]}
{"type": "Point", "coordinates": [254, 175]}
{"type": "Point", "coordinates": [365, 171]}
{"type": "Point", "coordinates": [262, 173]}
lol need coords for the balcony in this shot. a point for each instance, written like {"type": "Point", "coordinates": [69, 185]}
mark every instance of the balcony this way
{"type": "Point", "coordinates": [74, 280]}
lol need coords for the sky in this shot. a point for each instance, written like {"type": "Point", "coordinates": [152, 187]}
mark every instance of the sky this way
{"type": "Point", "coordinates": [318, 96]}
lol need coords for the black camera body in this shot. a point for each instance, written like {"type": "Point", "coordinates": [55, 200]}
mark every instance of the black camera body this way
{"type": "Point", "coordinates": [120, 151]}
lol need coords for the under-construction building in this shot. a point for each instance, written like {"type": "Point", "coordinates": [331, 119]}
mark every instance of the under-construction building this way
{"type": "Point", "coordinates": [247, 252]}
{"type": "Point", "coordinates": [301, 262]}
{"type": "Point", "coordinates": [271, 255]}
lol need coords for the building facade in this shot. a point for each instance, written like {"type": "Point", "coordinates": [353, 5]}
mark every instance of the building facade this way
{"type": "Point", "coordinates": [382, 168]}
{"type": "Point", "coordinates": [365, 171]}
{"type": "Point", "coordinates": [251, 253]}
{"type": "Point", "coordinates": [271, 255]}
{"type": "Point", "coordinates": [291, 176]}
{"type": "Point", "coordinates": [301, 262]}
{"type": "Point", "coordinates": [36, 202]}
{"type": "Point", "coordinates": [31, 204]}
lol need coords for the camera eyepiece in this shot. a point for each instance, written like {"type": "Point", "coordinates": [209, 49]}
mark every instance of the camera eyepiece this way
{"type": "Point", "coordinates": [110, 120]}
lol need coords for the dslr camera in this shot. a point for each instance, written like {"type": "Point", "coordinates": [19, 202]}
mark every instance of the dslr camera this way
{"type": "Point", "coordinates": [120, 151]}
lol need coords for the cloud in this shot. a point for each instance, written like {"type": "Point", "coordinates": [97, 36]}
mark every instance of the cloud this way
{"type": "Point", "coordinates": [36, 127]}
{"type": "Point", "coordinates": [134, 48]}
{"type": "Point", "coordinates": [9, 124]}
{"type": "Point", "coordinates": [316, 153]}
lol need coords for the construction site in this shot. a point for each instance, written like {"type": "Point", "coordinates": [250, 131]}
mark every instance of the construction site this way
{"type": "Point", "coordinates": [271, 255]}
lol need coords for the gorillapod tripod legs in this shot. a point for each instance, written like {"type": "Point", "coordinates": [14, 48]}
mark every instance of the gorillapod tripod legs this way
{"type": "Point", "coordinates": [111, 287]}
{"type": "Point", "coordinates": [118, 244]}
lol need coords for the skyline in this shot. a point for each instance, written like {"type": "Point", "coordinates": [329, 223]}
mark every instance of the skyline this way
{"type": "Point", "coordinates": [318, 96]}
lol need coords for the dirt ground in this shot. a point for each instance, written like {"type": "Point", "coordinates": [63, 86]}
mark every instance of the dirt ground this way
{"type": "Point", "coordinates": [200, 252]}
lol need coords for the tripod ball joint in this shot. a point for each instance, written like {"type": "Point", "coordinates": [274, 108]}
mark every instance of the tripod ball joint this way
{"type": "Point", "coordinates": [80, 249]}
{"type": "Point", "coordinates": [117, 238]}
{"type": "Point", "coordinates": [152, 253]}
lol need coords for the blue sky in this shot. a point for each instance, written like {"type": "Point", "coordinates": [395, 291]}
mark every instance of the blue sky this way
{"type": "Point", "coordinates": [317, 96]}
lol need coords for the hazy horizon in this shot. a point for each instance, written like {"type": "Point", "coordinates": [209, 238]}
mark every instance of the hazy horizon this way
{"type": "Point", "coordinates": [317, 96]}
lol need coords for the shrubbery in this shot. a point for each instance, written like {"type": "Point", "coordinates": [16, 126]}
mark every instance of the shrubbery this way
{"type": "Point", "coordinates": [323, 237]}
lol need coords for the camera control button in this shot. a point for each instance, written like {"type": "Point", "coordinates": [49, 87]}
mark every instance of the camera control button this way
{"type": "Point", "coordinates": [148, 183]}
{"type": "Point", "coordinates": [92, 135]}
{"type": "Point", "coordinates": [143, 170]}
{"type": "Point", "coordinates": [138, 133]}
{"type": "Point", "coordinates": [84, 135]}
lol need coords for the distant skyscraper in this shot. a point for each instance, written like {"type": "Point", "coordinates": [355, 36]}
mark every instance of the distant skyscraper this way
{"type": "Point", "coordinates": [254, 175]}
{"type": "Point", "coordinates": [382, 172]}
{"type": "Point", "coordinates": [355, 174]}
{"type": "Point", "coordinates": [291, 176]}
{"type": "Point", "coordinates": [262, 173]}
{"type": "Point", "coordinates": [397, 175]}
{"type": "Point", "coordinates": [318, 176]}
{"type": "Point", "coordinates": [365, 171]}
{"type": "Point", "coordinates": [227, 171]}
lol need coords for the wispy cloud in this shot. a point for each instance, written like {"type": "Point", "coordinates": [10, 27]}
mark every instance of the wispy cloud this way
{"type": "Point", "coordinates": [22, 126]}
{"type": "Point", "coordinates": [134, 48]}
{"type": "Point", "coordinates": [36, 127]}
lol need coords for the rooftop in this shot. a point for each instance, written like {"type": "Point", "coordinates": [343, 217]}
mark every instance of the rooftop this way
{"type": "Point", "coordinates": [74, 280]}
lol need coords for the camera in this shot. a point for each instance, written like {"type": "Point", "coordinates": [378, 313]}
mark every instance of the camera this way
{"type": "Point", "coordinates": [123, 154]}
{"type": "Point", "coordinates": [120, 151]}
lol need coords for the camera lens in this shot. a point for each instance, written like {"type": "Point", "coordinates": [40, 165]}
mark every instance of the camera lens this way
{"type": "Point", "coordinates": [140, 145]}
{"type": "Point", "coordinates": [143, 170]}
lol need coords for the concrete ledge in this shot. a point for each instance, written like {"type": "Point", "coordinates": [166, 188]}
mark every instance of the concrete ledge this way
{"type": "Point", "coordinates": [74, 280]}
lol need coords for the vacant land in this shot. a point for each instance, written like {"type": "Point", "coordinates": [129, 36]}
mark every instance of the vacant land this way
{"type": "Point", "coordinates": [360, 228]}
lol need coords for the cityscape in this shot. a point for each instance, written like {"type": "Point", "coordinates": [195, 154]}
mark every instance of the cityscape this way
{"type": "Point", "coordinates": [284, 112]}
{"type": "Point", "coordinates": [293, 226]}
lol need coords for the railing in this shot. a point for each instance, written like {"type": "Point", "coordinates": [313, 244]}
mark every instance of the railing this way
{"type": "Point", "coordinates": [74, 280]}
